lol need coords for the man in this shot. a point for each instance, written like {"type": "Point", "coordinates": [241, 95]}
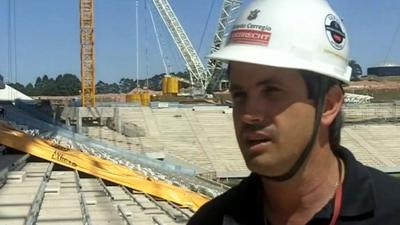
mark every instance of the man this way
{"type": "Point", "coordinates": [2, 112]}
{"type": "Point", "coordinates": [287, 62]}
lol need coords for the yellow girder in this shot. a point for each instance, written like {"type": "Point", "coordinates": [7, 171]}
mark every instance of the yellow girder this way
{"type": "Point", "coordinates": [98, 167]}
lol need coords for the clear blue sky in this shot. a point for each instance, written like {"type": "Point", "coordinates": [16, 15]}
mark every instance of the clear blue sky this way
{"type": "Point", "coordinates": [48, 35]}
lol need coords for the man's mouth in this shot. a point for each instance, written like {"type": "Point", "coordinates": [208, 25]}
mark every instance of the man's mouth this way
{"type": "Point", "coordinates": [252, 142]}
{"type": "Point", "coordinates": [256, 139]}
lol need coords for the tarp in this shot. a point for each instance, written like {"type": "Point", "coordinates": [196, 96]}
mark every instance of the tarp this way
{"type": "Point", "coordinates": [11, 94]}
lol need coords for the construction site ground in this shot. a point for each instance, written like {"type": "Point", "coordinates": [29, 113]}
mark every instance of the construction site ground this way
{"type": "Point", "coordinates": [382, 89]}
{"type": "Point", "coordinates": [74, 198]}
{"type": "Point", "coordinates": [205, 137]}
{"type": "Point", "coordinates": [199, 137]}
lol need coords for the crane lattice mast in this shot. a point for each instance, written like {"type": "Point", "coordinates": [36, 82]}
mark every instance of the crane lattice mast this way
{"type": "Point", "coordinates": [199, 75]}
{"type": "Point", "coordinates": [88, 90]}
{"type": "Point", "coordinates": [230, 9]}
{"type": "Point", "coordinates": [229, 13]}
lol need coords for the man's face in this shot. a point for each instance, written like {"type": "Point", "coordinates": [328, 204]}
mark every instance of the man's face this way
{"type": "Point", "coordinates": [272, 114]}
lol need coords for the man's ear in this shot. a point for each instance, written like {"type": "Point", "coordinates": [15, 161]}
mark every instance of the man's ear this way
{"type": "Point", "coordinates": [333, 105]}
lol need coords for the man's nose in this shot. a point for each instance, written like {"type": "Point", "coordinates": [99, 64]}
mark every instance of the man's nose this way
{"type": "Point", "coordinates": [253, 113]}
{"type": "Point", "coordinates": [252, 118]}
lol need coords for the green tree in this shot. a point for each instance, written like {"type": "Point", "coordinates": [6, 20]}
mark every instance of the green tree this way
{"type": "Point", "coordinates": [105, 88]}
{"type": "Point", "coordinates": [63, 85]}
{"type": "Point", "coordinates": [38, 82]}
{"type": "Point", "coordinates": [2, 84]}
{"type": "Point", "coordinates": [126, 85]}
{"type": "Point", "coordinates": [30, 89]}
{"type": "Point", "coordinates": [114, 88]}
{"type": "Point", "coordinates": [101, 87]}
{"type": "Point", "coordinates": [45, 79]}
{"type": "Point", "coordinates": [67, 85]}
{"type": "Point", "coordinates": [18, 86]}
{"type": "Point", "coordinates": [356, 70]}
{"type": "Point", "coordinates": [49, 88]}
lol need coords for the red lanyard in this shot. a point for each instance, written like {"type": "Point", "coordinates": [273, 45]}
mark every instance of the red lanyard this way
{"type": "Point", "coordinates": [338, 199]}
{"type": "Point", "coordinates": [338, 205]}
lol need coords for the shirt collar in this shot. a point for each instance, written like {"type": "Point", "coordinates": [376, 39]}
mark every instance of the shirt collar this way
{"type": "Point", "coordinates": [358, 193]}
{"type": "Point", "coordinates": [358, 190]}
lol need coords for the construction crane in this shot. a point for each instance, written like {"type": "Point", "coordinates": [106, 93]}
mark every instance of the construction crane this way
{"type": "Point", "coordinates": [88, 89]}
{"type": "Point", "coordinates": [230, 9]}
{"type": "Point", "coordinates": [200, 76]}
{"type": "Point", "coordinates": [193, 61]}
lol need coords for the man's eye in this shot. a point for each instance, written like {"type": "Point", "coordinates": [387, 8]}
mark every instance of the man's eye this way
{"type": "Point", "coordinates": [237, 95]}
{"type": "Point", "coordinates": [272, 89]}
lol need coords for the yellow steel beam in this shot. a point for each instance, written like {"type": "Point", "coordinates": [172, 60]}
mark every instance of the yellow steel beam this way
{"type": "Point", "coordinates": [98, 167]}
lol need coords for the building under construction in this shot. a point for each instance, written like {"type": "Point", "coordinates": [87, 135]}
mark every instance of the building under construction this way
{"type": "Point", "coordinates": [385, 70]}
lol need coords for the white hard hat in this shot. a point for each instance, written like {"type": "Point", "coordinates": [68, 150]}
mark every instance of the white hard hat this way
{"type": "Point", "coordinates": [297, 34]}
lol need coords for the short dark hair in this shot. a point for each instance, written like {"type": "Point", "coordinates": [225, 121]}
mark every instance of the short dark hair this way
{"type": "Point", "coordinates": [313, 81]}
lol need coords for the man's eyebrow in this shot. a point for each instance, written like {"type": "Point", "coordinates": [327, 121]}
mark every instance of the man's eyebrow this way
{"type": "Point", "coordinates": [267, 82]}
{"type": "Point", "coordinates": [235, 87]}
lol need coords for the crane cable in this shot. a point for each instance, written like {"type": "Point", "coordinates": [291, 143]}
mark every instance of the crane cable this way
{"type": "Point", "coordinates": [12, 46]}
{"type": "Point", "coordinates": [146, 45]}
{"type": "Point", "coordinates": [169, 43]}
{"type": "Point", "coordinates": [15, 43]}
{"type": "Point", "coordinates": [158, 42]}
{"type": "Point", "coordinates": [392, 43]}
{"type": "Point", "coordinates": [137, 45]}
{"type": "Point", "coordinates": [12, 42]}
{"type": "Point", "coordinates": [170, 54]}
{"type": "Point", "coordinates": [206, 25]}
{"type": "Point", "coordinates": [10, 59]}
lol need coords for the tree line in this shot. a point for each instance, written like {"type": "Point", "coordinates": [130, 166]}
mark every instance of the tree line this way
{"type": "Point", "coordinates": [70, 85]}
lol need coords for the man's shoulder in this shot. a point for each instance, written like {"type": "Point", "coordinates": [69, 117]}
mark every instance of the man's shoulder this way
{"type": "Point", "coordinates": [383, 178]}
{"type": "Point", "coordinates": [368, 189]}
{"type": "Point", "coordinates": [387, 197]}
{"type": "Point", "coordinates": [386, 186]}
{"type": "Point", "coordinates": [381, 181]}
{"type": "Point", "coordinates": [230, 203]}
{"type": "Point", "coordinates": [213, 211]}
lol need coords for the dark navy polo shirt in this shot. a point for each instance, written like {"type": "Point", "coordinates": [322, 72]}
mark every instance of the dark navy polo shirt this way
{"type": "Point", "coordinates": [369, 197]}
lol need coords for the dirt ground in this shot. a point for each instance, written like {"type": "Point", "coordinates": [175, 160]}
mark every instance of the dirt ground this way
{"type": "Point", "coordinates": [373, 85]}
{"type": "Point", "coordinates": [382, 89]}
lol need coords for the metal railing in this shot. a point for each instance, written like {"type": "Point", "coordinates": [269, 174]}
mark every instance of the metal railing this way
{"type": "Point", "coordinates": [379, 112]}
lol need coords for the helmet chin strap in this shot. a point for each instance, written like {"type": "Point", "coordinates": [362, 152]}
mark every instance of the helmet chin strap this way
{"type": "Point", "coordinates": [307, 150]}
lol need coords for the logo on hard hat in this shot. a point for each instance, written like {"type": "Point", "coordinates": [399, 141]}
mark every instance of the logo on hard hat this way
{"type": "Point", "coordinates": [334, 32]}
{"type": "Point", "coordinates": [253, 14]}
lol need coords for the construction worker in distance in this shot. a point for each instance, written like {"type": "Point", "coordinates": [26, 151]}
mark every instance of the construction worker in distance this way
{"type": "Point", "coordinates": [2, 112]}
{"type": "Point", "coordinates": [287, 62]}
